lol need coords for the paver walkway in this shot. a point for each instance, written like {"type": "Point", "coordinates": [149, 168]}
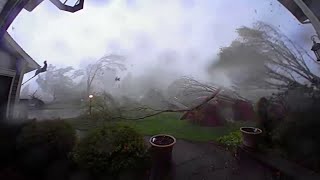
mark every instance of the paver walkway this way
{"type": "Point", "coordinates": [206, 161]}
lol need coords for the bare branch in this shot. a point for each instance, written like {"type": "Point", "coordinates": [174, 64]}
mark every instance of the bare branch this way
{"type": "Point", "coordinates": [170, 110]}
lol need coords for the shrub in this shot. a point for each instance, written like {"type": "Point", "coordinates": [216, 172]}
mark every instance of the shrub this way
{"type": "Point", "coordinates": [231, 140]}
{"type": "Point", "coordinates": [271, 113]}
{"type": "Point", "coordinates": [104, 106]}
{"type": "Point", "coordinates": [8, 134]}
{"type": "Point", "coordinates": [111, 149]}
{"type": "Point", "coordinates": [298, 137]}
{"type": "Point", "coordinates": [11, 174]}
{"type": "Point", "coordinates": [57, 136]}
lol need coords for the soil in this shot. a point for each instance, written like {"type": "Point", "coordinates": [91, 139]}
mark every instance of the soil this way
{"type": "Point", "coordinates": [163, 140]}
{"type": "Point", "coordinates": [251, 130]}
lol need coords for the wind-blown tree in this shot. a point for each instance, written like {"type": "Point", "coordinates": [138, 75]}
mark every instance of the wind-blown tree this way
{"type": "Point", "coordinates": [95, 71]}
{"type": "Point", "coordinates": [190, 91]}
{"type": "Point", "coordinates": [25, 91]}
{"type": "Point", "coordinates": [264, 58]}
{"type": "Point", "coordinates": [58, 83]}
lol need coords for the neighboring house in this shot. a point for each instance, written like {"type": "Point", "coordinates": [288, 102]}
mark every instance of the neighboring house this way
{"type": "Point", "coordinates": [14, 63]}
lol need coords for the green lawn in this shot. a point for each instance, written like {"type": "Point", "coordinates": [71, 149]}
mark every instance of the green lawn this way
{"type": "Point", "coordinates": [169, 123]}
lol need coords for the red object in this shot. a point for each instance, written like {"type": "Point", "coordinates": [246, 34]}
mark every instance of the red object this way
{"type": "Point", "coordinates": [243, 111]}
{"type": "Point", "coordinates": [210, 115]}
{"type": "Point", "coordinates": [207, 115]}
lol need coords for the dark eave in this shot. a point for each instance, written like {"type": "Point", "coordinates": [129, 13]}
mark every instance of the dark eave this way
{"type": "Point", "coordinates": [13, 48]}
{"type": "Point", "coordinates": [58, 3]}
{"type": "Point", "coordinates": [32, 4]}
{"type": "Point", "coordinates": [314, 6]}
{"type": "Point", "coordinates": [62, 6]}
{"type": "Point", "coordinates": [9, 12]}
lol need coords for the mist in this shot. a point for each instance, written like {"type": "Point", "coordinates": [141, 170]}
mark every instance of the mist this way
{"type": "Point", "coordinates": [161, 41]}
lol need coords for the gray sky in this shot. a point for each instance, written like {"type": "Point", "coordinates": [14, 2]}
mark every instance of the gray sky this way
{"type": "Point", "coordinates": [143, 29]}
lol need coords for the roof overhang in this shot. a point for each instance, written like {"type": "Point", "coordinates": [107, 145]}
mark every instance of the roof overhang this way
{"type": "Point", "coordinates": [9, 10]}
{"type": "Point", "coordinates": [13, 47]}
{"type": "Point", "coordinates": [314, 6]}
{"type": "Point", "coordinates": [32, 4]}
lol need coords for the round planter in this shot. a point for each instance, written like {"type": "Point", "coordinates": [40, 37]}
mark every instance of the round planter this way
{"type": "Point", "coordinates": [250, 136]}
{"type": "Point", "coordinates": [161, 148]}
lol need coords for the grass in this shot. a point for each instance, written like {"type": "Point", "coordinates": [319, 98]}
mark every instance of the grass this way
{"type": "Point", "coordinates": [169, 123]}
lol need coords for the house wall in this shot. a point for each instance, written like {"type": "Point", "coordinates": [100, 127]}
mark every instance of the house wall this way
{"type": "Point", "coordinates": [6, 82]}
{"type": "Point", "coordinates": [7, 61]}
{"type": "Point", "coordinates": [8, 67]}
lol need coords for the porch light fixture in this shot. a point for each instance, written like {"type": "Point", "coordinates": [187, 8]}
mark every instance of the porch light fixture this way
{"type": "Point", "coordinates": [90, 103]}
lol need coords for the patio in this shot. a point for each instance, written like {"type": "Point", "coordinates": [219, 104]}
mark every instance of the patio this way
{"type": "Point", "coordinates": [202, 161]}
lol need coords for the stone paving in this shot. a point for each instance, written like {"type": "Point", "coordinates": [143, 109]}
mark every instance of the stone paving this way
{"type": "Point", "coordinates": [206, 161]}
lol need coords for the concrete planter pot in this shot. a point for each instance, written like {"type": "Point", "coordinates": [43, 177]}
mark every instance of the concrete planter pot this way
{"type": "Point", "coordinates": [250, 137]}
{"type": "Point", "coordinates": [161, 155]}
{"type": "Point", "coordinates": [161, 149]}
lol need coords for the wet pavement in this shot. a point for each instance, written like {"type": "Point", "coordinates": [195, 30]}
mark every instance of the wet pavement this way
{"type": "Point", "coordinates": [206, 161]}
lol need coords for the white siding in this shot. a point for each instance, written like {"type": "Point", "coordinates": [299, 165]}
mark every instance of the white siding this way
{"type": "Point", "coordinates": [7, 61]}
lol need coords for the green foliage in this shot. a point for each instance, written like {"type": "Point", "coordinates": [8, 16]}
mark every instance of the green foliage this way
{"type": "Point", "coordinates": [8, 134]}
{"type": "Point", "coordinates": [169, 123]}
{"type": "Point", "coordinates": [255, 53]}
{"type": "Point", "coordinates": [299, 139]}
{"type": "Point", "coordinates": [111, 149]}
{"type": "Point", "coordinates": [269, 117]}
{"type": "Point", "coordinates": [104, 107]}
{"type": "Point", "coordinates": [56, 135]}
{"type": "Point", "coordinates": [231, 140]}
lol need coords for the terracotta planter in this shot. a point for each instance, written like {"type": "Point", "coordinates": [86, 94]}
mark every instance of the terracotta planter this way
{"type": "Point", "coordinates": [161, 149]}
{"type": "Point", "coordinates": [250, 137]}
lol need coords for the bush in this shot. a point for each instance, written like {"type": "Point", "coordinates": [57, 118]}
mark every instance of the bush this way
{"type": "Point", "coordinates": [298, 137]}
{"type": "Point", "coordinates": [271, 113]}
{"type": "Point", "coordinates": [57, 136]}
{"type": "Point", "coordinates": [11, 174]}
{"type": "Point", "coordinates": [112, 149]}
{"type": "Point", "coordinates": [232, 140]}
{"type": "Point", "coordinates": [8, 135]}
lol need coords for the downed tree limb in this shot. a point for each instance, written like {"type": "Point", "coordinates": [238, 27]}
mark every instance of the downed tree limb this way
{"type": "Point", "coordinates": [170, 110]}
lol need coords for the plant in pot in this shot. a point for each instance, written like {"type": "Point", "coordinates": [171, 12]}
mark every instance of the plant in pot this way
{"type": "Point", "coordinates": [250, 137]}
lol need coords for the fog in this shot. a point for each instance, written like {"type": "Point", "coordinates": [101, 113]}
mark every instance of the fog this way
{"type": "Point", "coordinates": [161, 41]}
